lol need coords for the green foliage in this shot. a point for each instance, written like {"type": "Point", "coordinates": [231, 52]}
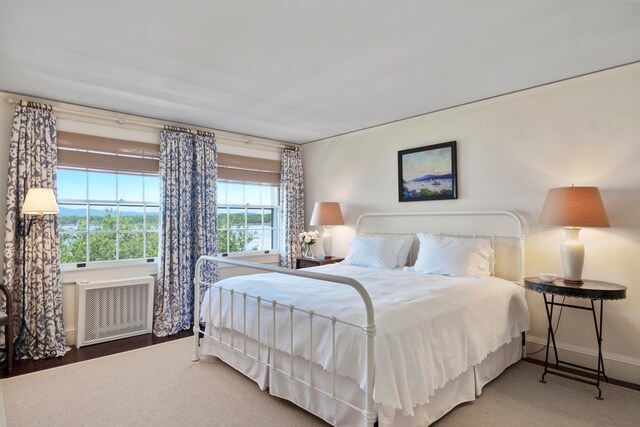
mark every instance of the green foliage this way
{"type": "Point", "coordinates": [231, 238]}
{"type": "Point", "coordinates": [103, 237]}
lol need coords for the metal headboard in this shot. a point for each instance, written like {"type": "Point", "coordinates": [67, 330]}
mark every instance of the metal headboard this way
{"type": "Point", "coordinates": [514, 220]}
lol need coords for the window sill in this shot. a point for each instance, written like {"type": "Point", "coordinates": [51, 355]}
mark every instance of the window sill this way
{"type": "Point", "coordinates": [70, 273]}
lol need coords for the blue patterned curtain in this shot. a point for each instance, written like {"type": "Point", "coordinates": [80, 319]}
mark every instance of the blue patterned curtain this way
{"type": "Point", "coordinates": [38, 299]}
{"type": "Point", "coordinates": [188, 175]}
{"type": "Point", "coordinates": [292, 206]}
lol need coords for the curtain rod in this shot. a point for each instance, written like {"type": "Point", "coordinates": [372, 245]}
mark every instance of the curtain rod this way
{"type": "Point", "coordinates": [124, 120]}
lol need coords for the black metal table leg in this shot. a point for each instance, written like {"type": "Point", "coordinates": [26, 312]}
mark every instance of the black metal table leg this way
{"type": "Point", "coordinates": [549, 333]}
{"type": "Point", "coordinates": [600, 370]}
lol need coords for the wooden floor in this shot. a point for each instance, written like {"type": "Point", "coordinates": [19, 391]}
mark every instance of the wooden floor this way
{"type": "Point", "coordinates": [74, 355]}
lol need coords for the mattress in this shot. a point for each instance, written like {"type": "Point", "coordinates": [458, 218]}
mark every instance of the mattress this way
{"type": "Point", "coordinates": [432, 333]}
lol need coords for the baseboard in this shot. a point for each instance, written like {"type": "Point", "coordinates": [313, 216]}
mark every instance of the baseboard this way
{"type": "Point", "coordinates": [619, 366]}
{"type": "Point", "coordinates": [70, 335]}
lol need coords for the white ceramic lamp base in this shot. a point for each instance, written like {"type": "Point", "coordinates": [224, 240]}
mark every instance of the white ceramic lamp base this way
{"type": "Point", "coordinates": [572, 252]}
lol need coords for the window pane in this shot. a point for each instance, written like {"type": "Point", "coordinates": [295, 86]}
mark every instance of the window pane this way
{"type": "Point", "coordinates": [222, 193]}
{"type": "Point", "coordinates": [236, 218]}
{"type": "Point", "coordinates": [102, 218]}
{"type": "Point", "coordinates": [153, 218]}
{"type": "Point", "coordinates": [268, 196]}
{"type": "Point", "coordinates": [222, 218]}
{"type": "Point", "coordinates": [267, 243]}
{"type": "Point", "coordinates": [237, 240]}
{"type": "Point", "coordinates": [130, 188]}
{"type": "Point", "coordinates": [268, 217]}
{"type": "Point", "coordinates": [72, 185]}
{"type": "Point", "coordinates": [152, 189]}
{"type": "Point", "coordinates": [254, 218]}
{"type": "Point", "coordinates": [72, 218]}
{"type": "Point", "coordinates": [252, 194]}
{"type": "Point", "coordinates": [131, 245]}
{"type": "Point", "coordinates": [131, 218]}
{"type": "Point", "coordinates": [102, 247]}
{"type": "Point", "coordinates": [252, 240]}
{"type": "Point", "coordinates": [153, 240]}
{"type": "Point", "coordinates": [73, 248]}
{"type": "Point", "coordinates": [102, 186]}
{"type": "Point", "coordinates": [235, 193]}
{"type": "Point", "coordinates": [223, 239]}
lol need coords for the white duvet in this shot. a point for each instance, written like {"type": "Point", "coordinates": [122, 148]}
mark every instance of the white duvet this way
{"type": "Point", "coordinates": [430, 329]}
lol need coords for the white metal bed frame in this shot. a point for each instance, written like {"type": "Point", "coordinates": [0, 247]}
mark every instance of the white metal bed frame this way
{"type": "Point", "coordinates": [369, 329]}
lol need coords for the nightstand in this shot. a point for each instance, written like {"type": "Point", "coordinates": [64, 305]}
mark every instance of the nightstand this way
{"type": "Point", "coordinates": [314, 262]}
{"type": "Point", "coordinates": [591, 290]}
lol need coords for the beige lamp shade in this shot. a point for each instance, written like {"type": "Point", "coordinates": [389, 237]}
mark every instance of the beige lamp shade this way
{"type": "Point", "coordinates": [326, 213]}
{"type": "Point", "coordinates": [574, 207]}
{"type": "Point", "coordinates": [40, 201]}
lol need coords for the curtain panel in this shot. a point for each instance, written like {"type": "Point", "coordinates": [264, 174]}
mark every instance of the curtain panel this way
{"type": "Point", "coordinates": [188, 175]}
{"type": "Point", "coordinates": [38, 298]}
{"type": "Point", "coordinates": [291, 205]}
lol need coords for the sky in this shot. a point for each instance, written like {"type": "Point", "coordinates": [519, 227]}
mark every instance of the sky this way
{"type": "Point", "coordinates": [422, 163]}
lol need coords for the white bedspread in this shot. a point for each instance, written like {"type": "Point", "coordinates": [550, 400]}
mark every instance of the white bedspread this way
{"type": "Point", "coordinates": [430, 329]}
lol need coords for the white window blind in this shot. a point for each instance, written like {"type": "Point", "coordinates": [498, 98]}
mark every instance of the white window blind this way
{"type": "Point", "coordinates": [107, 154]}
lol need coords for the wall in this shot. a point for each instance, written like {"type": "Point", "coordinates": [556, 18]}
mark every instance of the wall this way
{"type": "Point", "coordinates": [511, 150]}
{"type": "Point", "coordinates": [71, 122]}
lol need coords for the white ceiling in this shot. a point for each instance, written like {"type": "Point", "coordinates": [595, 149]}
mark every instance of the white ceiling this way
{"type": "Point", "coordinates": [302, 70]}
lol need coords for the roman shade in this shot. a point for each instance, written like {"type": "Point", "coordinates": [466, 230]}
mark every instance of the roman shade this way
{"type": "Point", "coordinates": [232, 167]}
{"type": "Point", "coordinates": [108, 154]}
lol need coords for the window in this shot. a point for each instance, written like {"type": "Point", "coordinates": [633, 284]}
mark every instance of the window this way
{"type": "Point", "coordinates": [107, 216]}
{"type": "Point", "coordinates": [247, 217]}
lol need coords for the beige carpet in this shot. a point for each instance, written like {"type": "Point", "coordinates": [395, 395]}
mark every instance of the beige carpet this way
{"type": "Point", "coordinates": [160, 386]}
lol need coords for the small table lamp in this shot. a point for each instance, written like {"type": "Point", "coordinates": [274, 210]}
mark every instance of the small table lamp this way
{"type": "Point", "coordinates": [572, 208]}
{"type": "Point", "coordinates": [326, 214]}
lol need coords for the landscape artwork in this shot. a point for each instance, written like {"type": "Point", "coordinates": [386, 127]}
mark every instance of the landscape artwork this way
{"type": "Point", "coordinates": [427, 173]}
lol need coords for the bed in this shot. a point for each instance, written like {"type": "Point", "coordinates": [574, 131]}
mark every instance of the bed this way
{"type": "Point", "coordinates": [355, 345]}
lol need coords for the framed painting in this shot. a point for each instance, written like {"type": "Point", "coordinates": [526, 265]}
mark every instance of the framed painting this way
{"type": "Point", "coordinates": [428, 173]}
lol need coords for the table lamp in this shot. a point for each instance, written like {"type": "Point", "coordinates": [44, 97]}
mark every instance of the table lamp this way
{"type": "Point", "coordinates": [326, 214]}
{"type": "Point", "coordinates": [572, 208]}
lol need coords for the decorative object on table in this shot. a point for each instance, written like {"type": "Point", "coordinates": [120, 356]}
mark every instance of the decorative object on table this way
{"type": "Point", "coordinates": [572, 208]}
{"type": "Point", "coordinates": [38, 203]}
{"type": "Point", "coordinates": [590, 289]}
{"type": "Point", "coordinates": [307, 239]}
{"type": "Point", "coordinates": [428, 173]}
{"type": "Point", "coordinates": [547, 277]}
{"type": "Point", "coordinates": [326, 214]}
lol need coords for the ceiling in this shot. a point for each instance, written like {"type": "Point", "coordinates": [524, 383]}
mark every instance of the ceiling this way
{"type": "Point", "coordinates": [302, 70]}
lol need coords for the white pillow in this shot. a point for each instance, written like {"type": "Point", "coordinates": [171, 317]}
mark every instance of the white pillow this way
{"type": "Point", "coordinates": [403, 253]}
{"type": "Point", "coordinates": [374, 251]}
{"type": "Point", "coordinates": [453, 256]}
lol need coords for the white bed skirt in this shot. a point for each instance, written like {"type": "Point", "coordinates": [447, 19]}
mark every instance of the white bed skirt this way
{"type": "Point", "coordinates": [462, 389]}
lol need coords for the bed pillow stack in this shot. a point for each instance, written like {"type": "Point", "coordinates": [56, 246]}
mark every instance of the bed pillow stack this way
{"type": "Point", "coordinates": [453, 256]}
{"type": "Point", "coordinates": [379, 251]}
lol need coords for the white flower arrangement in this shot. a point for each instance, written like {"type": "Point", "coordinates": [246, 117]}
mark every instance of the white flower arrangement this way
{"type": "Point", "coordinates": [308, 238]}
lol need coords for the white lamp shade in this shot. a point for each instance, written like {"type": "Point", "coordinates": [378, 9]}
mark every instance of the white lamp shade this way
{"type": "Point", "coordinates": [40, 201]}
{"type": "Point", "coordinates": [326, 213]}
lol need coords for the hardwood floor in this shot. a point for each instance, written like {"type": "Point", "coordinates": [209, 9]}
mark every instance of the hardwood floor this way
{"type": "Point", "coordinates": [21, 367]}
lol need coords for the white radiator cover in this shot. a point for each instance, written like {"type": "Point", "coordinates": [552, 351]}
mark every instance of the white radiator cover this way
{"type": "Point", "coordinates": [114, 309]}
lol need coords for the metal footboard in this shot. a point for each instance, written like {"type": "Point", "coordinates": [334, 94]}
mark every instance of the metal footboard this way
{"type": "Point", "coordinates": [369, 329]}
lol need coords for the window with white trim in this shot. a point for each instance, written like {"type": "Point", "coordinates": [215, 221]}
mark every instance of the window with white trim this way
{"type": "Point", "coordinates": [248, 217]}
{"type": "Point", "coordinates": [107, 216]}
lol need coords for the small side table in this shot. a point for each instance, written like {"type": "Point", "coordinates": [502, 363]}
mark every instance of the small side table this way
{"type": "Point", "coordinates": [314, 262]}
{"type": "Point", "coordinates": [592, 290]}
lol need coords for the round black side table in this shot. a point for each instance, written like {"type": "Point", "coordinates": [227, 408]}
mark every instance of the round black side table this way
{"type": "Point", "coordinates": [592, 290]}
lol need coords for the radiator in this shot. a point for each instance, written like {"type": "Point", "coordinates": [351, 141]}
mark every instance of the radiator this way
{"type": "Point", "coordinates": [113, 309]}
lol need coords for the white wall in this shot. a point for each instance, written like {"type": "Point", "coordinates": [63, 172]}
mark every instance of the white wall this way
{"type": "Point", "coordinates": [72, 122]}
{"type": "Point", "coordinates": [511, 150]}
